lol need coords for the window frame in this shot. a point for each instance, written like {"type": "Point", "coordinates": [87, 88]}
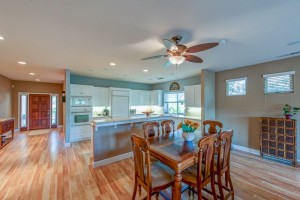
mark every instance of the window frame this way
{"type": "Point", "coordinates": [236, 79]}
{"type": "Point", "coordinates": [177, 102]}
{"type": "Point", "coordinates": [292, 82]}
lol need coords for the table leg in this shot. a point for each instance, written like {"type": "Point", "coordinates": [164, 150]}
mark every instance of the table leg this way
{"type": "Point", "coordinates": [177, 186]}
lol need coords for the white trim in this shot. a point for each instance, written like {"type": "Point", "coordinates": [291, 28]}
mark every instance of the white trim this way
{"type": "Point", "coordinates": [16, 130]}
{"type": "Point", "coordinates": [237, 79]}
{"type": "Point", "coordinates": [112, 159]}
{"type": "Point", "coordinates": [246, 149]}
{"type": "Point", "coordinates": [67, 144]}
{"type": "Point", "coordinates": [28, 93]}
{"type": "Point", "coordinates": [279, 74]}
{"type": "Point", "coordinates": [59, 126]}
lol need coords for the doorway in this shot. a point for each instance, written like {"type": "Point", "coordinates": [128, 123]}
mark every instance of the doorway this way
{"type": "Point", "coordinates": [38, 111]}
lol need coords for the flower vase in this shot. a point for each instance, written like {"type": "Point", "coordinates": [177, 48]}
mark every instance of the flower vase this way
{"type": "Point", "coordinates": [288, 116]}
{"type": "Point", "coordinates": [188, 136]}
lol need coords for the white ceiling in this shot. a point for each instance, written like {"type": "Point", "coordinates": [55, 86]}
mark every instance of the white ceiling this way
{"type": "Point", "coordinates": [53, 35]}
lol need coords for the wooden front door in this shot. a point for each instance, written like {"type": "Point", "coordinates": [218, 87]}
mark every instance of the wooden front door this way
{"type": "Point", "coordinates": [39, 111]}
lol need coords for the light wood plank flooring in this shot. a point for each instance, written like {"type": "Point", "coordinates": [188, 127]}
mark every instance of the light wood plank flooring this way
{"type": "Point", "coordinates": [41, 167]}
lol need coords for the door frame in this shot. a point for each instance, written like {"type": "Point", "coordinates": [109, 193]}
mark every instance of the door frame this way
{"type": "Point", "coordinates": [27, 110]}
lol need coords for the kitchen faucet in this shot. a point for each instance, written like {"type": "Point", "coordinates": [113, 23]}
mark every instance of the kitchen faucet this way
{"type": "Point", "coordinates": [172, 110]}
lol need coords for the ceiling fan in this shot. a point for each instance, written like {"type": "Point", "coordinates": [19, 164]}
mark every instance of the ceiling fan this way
{"type": "Point", "coordinates": [178, 53]}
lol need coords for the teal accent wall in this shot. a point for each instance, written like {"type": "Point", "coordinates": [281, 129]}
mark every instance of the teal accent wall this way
{"type": "Point", "coordinates": [99, 82]}
{"type": "Point", "coordinates": [196, 80]}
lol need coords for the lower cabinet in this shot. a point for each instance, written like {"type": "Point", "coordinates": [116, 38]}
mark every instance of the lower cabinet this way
{"type": "Point", "coordinates": [83, 132]}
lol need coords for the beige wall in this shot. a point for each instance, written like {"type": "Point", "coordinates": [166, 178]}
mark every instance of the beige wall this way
{"type": "Point", "coordinates": [241, 113]}
{"type": "Point", "coordinates": [5, 97]}
{"type": "Point", "coordinates": [35, 87]}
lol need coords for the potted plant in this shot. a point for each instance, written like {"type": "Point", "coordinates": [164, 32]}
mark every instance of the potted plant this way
{"type": "Point", "coordinates": [289, 111]}
{"type": "Point", "coordinates": [188, 128]}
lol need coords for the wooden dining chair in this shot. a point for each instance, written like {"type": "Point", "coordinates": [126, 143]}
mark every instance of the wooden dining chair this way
{"type": "Point", "coordinates": [212, 127]}
{"type": "Point", "coordinates": [151, 129]}
{"type": "Point", "coordinates": [153, 177]}
{"type": "Point", "coordinates": [222, 165]}
{"type": "Point", "coordinates": [201, 174]}
{"type": "Point", "coordinates": [166, 126]}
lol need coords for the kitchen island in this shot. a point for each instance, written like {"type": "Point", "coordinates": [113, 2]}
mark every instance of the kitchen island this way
{"type": "Point", "coordinates": [111, 137]}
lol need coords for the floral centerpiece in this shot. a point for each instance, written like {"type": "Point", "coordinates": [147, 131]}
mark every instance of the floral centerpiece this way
{"type": "Point", "coordinates": [289, 111]}
{"type": "Point", "coordinates": [188, 127]}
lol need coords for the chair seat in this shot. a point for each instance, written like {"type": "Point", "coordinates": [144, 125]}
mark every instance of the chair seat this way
{"type": "Point", "coordinates": [161, 175]}
{"type": "Point", "coordinates": [189, 175]}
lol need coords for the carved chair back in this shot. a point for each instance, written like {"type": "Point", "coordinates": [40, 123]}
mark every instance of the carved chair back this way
{"type": "Point", "coordinates": [167, 126]}
{"type": "Point", "coordinates": [213, 127]}
{"type": "Point", "coordinates": [151, 129]}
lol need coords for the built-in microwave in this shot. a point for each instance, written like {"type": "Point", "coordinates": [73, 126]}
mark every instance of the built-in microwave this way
{"type": "Point", "coordinates": [81, 101]}
{"type": "Point", "coordinates": [81, 116]}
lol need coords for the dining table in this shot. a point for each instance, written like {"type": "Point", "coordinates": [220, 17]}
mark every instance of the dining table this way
{"type": "Point", "coordinates": [176, 153]}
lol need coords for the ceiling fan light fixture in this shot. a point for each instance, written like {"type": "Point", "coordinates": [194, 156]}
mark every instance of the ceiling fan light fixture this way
{"type": "Point", "coordinates": [176, 60]}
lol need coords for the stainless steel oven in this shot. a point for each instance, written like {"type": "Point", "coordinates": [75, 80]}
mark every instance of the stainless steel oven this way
{"type": "Point", "coordinates": [81, 116]}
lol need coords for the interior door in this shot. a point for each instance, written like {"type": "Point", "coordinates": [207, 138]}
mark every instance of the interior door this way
{"type": "Point", "coordinates": [39, 111]}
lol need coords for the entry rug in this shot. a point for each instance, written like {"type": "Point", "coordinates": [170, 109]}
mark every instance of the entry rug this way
{"type": "Point", "coordinates": [38, 132]}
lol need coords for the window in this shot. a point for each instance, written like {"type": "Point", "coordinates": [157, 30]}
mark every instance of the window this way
{"type": "Point", "coordinates": [236, 87]}
{"type": "Point", "coordinates": [279, 82]}
{"type": "Point", "coordinates": [23, 112]}
{"type": "Point", "coordinates": [53, 111]}
{"type": "Point", "coordinates": [174, 102]}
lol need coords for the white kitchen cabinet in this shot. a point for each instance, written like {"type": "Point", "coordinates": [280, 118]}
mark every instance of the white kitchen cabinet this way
{"type": "Point", "coordinates": [104, 97]}
{"type": "Point", "coordinates": [78, 133]}
{"type": "Point", "coordinates": [147, 98]}
{"type": "Point", "coordinates": [142, 98]}
{"type": "Point", "coordinates": [197, 95]}
{"type": "Point", "coordinates": [81, 90]}
{"type": "Point", "coordinates": [134, 97]}
{"type": "Point", "coordinates": [192, 96]}
{"type": "Point", "coordinates": [100, 97]}
{"type": "Point", "coordinates": [156, 98]}
{"type": "Point", "coordinates": [96, 96]}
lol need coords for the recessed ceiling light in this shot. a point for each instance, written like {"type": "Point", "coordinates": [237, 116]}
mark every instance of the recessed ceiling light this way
{"type": "Point", "coordinates": [112, 64]}
{"type": "Point", "coordinates": [22, 63]}
{"type": "Point", "coordinates": [38, 80]}
{"type": "Point", "coordinates": [1, 38]}
{"type": "Point", "coordinates": [146, 70]}
{"type": "Point", "coordinates": [31, 73]}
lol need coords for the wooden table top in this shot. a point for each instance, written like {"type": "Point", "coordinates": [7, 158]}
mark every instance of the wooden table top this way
{"type": "Point", "coordinates": [174, 151]}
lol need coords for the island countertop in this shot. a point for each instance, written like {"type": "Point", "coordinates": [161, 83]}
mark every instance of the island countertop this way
{"type": "Point", "coordinates": [127, 120]}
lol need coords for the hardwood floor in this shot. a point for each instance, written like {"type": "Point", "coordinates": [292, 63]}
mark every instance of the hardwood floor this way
{"type": "Point", "coordinates": [41, 167]}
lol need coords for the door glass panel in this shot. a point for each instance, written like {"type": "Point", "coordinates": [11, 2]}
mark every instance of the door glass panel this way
{"type": "Point", "coordinates": [24, 116]}
{"type": "Point", "coordinates": [53, 110]}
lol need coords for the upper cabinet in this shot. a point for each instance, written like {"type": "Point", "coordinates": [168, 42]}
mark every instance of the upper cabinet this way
{"type": "Point", "coordinates": [156, 98]}
{"type": "Point", "coordinates": [100, 96]}
{"type": "Point", "coordinates": [192, 96]}
{"type": "Point", "coordinates": [81, 90]}
{"type": "Point", "coordinates": [145, 98]}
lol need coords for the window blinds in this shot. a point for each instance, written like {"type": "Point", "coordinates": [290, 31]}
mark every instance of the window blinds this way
{"type": "Point", "coordinates": [279, 82]}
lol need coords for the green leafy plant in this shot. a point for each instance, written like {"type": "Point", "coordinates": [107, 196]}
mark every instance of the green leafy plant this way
{"type": "Point", "coordinates": [290, 110]}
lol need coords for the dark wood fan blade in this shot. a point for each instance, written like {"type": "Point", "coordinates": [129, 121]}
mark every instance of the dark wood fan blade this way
{"type": "Point", "coordinates": [192, 58]}
{"type": "Point", "coordinates": [170, 45]}
{"type": "Point", "coordinates": [154, 57]}
{"type": "Point", "coordinates": [201, 47]}
{"type": "Point", "coordinates": [167, 64]}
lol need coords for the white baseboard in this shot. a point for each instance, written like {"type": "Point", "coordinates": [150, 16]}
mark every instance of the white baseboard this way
{"type": "Point", "coordinates": [59, 126]}
{"type": "Point", "coordinates": [112, 159]}
{"type": "Point", "coordinates": [246, 149]}
{"type": "Point", "coordinates": [67, 144]}
{"type": "Point", "coordinates": [17, 130]}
